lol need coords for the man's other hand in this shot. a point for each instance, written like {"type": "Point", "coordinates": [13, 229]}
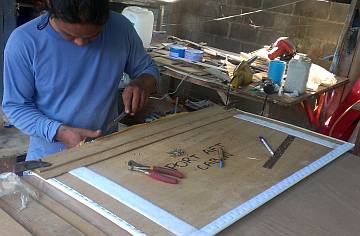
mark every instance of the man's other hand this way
{"type": "Point", "coordinates": [136, 94]}
{"type": "Point", "coordinates": [71, 137]}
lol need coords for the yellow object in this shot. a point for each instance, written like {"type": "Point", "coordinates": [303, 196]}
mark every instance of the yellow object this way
{"type": "Point", "coordinates": [242, 75]}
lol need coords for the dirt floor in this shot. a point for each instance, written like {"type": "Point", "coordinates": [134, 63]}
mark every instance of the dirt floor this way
{"type": "Point", "coordinates": [12, 141]}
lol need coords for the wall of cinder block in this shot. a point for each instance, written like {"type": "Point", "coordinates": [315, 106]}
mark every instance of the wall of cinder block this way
{"type": "Point", "coordinates": [314, 26]}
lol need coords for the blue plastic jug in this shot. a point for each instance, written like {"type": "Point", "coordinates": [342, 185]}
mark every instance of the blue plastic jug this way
{"type": "Point", "coordinates": [276, 71]}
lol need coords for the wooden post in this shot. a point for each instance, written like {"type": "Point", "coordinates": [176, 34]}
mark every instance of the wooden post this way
{"type": "Point", "coordinates": [339, 55]}
{"type": "Point", "coordinates": [7, 24]}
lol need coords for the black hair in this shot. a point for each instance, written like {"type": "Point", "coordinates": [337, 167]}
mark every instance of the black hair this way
{"type": "Point", "coordinates": [76, 11]}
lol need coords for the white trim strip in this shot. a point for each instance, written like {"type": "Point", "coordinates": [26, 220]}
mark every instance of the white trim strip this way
{"type": "Point", "coordinates": [289, 131]}
{"type": "Point", "coordinates": [92, 205]}
{"type": "Point", "coordinates": [134, 201]}
{"type": "Point", "coordinates": [245, 208]}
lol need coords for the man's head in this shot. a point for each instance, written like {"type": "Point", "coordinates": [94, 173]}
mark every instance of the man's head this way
{"type": "Point", "coordinates": [79, 21]}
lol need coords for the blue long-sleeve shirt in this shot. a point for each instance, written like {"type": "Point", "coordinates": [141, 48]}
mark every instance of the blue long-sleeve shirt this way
{"type": "Point", "coordinates": [49, 81]}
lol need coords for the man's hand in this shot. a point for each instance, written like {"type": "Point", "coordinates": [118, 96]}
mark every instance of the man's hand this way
{"type": "Point", "coordinates": [136, 94]}
{"type": "Point", "coordinates": [71, 137]}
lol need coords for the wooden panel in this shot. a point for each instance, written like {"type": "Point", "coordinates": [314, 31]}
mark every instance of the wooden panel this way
{"type": "Point", "coordinates": [208, 191]}
{"type": "Point", "coordinates": [9, 227]}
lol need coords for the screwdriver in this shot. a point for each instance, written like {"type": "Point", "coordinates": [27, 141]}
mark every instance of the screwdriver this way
{"type": "Point", "coordinates": [116, 120]}
{"type": "Point", "coordinates": [221, 157]}
{"type": "Point", "coordinates": [267, 145]}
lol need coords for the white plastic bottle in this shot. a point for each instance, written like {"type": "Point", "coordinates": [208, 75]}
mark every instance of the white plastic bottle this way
{"type": "Point", "coordinates": [298, 74]}
{"type": "Point", "coordinates": [143, 20]}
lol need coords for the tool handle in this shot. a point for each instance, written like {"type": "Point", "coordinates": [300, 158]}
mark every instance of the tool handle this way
{"type": "Point", "coordinates": [162, 178]}
{"type": "Point", "coordinates": [221, 163]}
{"type": "Point", "coordinates": [168, 171]}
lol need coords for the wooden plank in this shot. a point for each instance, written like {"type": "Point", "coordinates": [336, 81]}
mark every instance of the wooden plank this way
{"type": "Point", "coordinates": [37, 219]}
{"type": "Point", "coordinates": [122, 142]}
{"type": "Point", "coordinates": [60, 205]}
{"type": "Point", "coordinates": [119, 149]}
{"type": "Point", "coordinates": [161, 61]}
{"type": "Point", "coordinates": [79, 215]}
{"type": "Point", "coordinates": [132, 134]}
{"type": "Point", "coordinates": [10, 227]}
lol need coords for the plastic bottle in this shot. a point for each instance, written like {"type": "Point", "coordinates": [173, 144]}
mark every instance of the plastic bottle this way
{"type": "Point", "coordinates": [143, 20]}
{"type": "Point", "coordinates": [276, 71]}
{"type": "Point", "coordinates": [298, 74]}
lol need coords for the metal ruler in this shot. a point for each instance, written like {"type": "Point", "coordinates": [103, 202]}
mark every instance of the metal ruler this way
{"type": "Point", "coordinates": [279, 152]}
{"type": "Point", "coordinates": [290, 129]}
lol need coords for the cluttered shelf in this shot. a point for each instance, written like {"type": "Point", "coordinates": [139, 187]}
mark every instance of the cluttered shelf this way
{"type": "Point", "coordinates": [228, 73]}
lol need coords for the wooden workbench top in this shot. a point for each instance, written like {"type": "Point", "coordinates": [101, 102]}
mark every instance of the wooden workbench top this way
{"type": "Point", "coordinates": [197, 74]}
{"type": "Point", "coordinates": [323, 204]}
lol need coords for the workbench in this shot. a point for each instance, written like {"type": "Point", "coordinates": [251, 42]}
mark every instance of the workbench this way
{"type": "Point", "coordinates": [323, 204]}
{"type": "Point", "coordinates": [283, 108]}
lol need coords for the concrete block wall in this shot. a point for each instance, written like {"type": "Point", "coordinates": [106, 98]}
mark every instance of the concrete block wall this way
{"type": "Point", "coordinates": [314, 26]}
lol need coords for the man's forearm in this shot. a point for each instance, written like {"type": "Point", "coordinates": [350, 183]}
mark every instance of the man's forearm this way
{"type": "Point", "coordinates": [31, 121]}
{"type": "Point", "coordinates": [148, 81]}
{"type": "Point", "coordinates": [136, 94]}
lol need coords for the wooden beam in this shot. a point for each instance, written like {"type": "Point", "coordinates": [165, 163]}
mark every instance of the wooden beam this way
{"type": "Point", "coordinates": [339, 54]}
{"type": "Point", "coordinates": [9, 226]}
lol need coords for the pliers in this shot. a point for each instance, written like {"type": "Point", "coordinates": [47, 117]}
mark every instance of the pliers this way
{"type": "Point", "coordinates": [156, 172]}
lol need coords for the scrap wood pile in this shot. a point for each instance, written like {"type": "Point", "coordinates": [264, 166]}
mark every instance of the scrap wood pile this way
{"type": "Point", "coordinates": [213, 65]}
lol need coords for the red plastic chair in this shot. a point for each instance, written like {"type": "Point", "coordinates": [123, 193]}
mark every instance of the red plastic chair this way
{"type": "Point", "coordinates": [342, 123]}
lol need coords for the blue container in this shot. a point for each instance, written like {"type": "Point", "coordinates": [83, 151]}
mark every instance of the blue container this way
{"type": "Point", "coordinates": [276, 71]}
{"type": "Point", "coordinates": [177, 51]}
{"type": "Point", "coordinates": [193, 54]}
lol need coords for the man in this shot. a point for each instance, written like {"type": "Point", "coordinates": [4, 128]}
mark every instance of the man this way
{"type": "Point", "coordinates": [62, 71]}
